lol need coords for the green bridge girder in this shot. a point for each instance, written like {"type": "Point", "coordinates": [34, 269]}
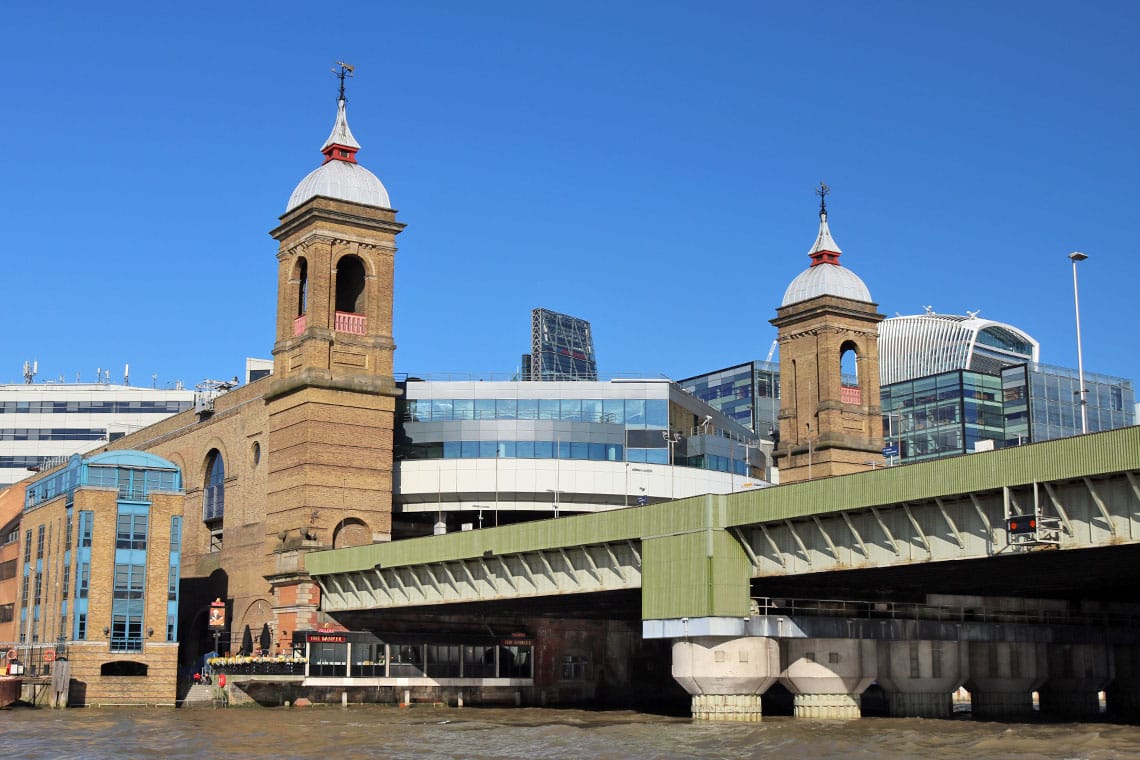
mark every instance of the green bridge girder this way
{"type": "Point", "coordinates": [697, 557]}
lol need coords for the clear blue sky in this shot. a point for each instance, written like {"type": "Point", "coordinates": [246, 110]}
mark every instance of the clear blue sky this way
{"type": "Point", "coordinates": [649, 166]}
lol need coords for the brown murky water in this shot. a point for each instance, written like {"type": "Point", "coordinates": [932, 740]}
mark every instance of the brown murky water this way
{"type": "Point", "coordinates": [425, 732]}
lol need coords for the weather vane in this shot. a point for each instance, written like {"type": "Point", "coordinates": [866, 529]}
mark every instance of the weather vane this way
{"type": "Point", "coordinates": [344, 70]}
{"type": "Point", "coordinates": [822, 193]}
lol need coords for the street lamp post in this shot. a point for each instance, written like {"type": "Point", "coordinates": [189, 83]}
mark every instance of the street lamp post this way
{"type": "Point", "coordinates": [809, 448]}
{"type": "Point", "coordinates": [891, 442]}
{"type": "Point", "coordinates": [1076, 256]}
{"type": "Point", "coordinates": [671, 440]}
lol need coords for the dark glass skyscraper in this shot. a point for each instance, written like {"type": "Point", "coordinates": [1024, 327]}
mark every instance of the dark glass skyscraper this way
{"type": "Point", "coordinates": [562, 347]}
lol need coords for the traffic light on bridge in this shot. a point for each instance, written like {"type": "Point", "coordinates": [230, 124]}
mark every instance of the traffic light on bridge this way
{"type": "Point", "coordinates": [1021, 524]}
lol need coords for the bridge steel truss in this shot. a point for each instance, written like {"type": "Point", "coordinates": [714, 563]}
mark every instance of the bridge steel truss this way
{"type": "Point", "coordinates": [697, 557]}
{"type": "Point", "coordinates": [610, 566]}
{"type": "Point", "coordinates": [1071, 512]}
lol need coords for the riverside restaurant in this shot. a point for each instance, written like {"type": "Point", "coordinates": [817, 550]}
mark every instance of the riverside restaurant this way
{"type": "Point", "coordinates": [366, 659]}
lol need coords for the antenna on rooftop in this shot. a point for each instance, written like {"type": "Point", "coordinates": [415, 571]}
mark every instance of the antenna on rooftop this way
{"type": "Point", "coordinates": [126, 374]}
{"type": "Point", "coordinates": [30, 370]}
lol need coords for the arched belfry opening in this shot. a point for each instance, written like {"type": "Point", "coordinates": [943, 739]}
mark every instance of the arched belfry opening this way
{"type": "Point", "coordinates": [850, 389]}
{"type": "Point", "coordinates": [350, 292]}
{"type": "Point", "coordinates": [829, 368]}
{"type": "Point", "coordinates": [302, 280]}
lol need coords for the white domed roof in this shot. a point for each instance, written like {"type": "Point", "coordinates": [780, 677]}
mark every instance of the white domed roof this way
{"type": "Point", "coordinates": [343, 181]}
{"type": "Point", "coordinates": [826, 280]}
{"type": "Point", "coordinates": [826, 276]}
{"type": "Point", "coordinates": [340, 177]}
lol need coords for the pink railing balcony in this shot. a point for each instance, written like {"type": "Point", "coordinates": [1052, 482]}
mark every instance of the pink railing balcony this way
{"type": "Point", "coordinates": [299, 324]}
{"type": "Point", "coordinates": [850, 394]}
{"type": "Point", "coordinates": [348, 322]}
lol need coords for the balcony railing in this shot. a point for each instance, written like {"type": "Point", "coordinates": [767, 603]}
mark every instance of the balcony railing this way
{"type": "Point", "coordinates": [347, 322]}
{"type": "Point", "coordinates": [850, 394]}
{"type": "Point", "coordinates": [299, 324]}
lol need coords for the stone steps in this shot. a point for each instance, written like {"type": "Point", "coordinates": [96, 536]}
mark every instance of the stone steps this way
{"type": "Point", "coordinates": [200, 695]}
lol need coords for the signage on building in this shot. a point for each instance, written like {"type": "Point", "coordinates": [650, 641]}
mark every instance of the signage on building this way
{"type": "Point", "coordinates": [891, 451]}
{"type": "Point", "coordinates": [327, 638]}
{"type": "Point", "coordinates": [217, 614]}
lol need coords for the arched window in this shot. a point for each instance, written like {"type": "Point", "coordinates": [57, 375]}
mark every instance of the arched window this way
{"type": "Point", "coordinates": [849, 392]}
{"type": "Point", "coordinates": [214, 490]}
{"type": "Point", "coordinates": [350, 299]}
{"type": "Point", "coordinates": [302, 287]}
{"type": "Point", "coordinates": [350, 285]}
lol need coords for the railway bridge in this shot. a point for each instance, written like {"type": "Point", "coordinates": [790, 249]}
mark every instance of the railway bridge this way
{"type": "Point", "coordinates": [1018, 569]}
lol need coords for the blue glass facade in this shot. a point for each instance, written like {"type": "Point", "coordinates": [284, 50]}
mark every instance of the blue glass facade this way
{"type": "Point", "coordinates": [133, 479]}
{"type": "Point", "coordinates": [748, 393]}
{"type": "Point", "coordinates": [562, 348]}
{"type": "Point", "coordinates": [619, 424]}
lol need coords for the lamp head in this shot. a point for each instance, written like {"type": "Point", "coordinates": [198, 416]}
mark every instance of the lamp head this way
{"type": "Point", "coordinates": [1078, 256]}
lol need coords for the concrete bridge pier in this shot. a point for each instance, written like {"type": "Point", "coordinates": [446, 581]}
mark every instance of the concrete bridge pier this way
{"type": "Point", "coordinates": [828, 676]}
{"type": "Point", "coordinates": [1123, 694]}
{"type": "Point", "coordinates": [1003, 677]}
{"type": "Point", "coordinates": [725, 677]}
{"type": "Point", "coordinates": [920, 676]}
{"type": "Point", "coordinates": [1077, 675]}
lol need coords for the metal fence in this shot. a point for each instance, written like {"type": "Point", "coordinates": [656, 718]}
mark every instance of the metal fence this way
{"type": "Point", "coordinates": [30, 660]}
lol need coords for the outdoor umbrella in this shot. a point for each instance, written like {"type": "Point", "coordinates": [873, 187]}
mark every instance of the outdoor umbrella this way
{"type": "Point", "coordinates": [247, 641]}
{"type": "Point", "coordinates": [266, 638]}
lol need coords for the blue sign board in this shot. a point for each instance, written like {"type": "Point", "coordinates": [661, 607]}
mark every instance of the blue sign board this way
{"type": "Point", "coordinates": [642, 501]}
{"type": "Point", "coordinates": [891, 451]}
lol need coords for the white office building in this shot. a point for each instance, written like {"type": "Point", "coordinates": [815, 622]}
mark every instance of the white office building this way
{"type": "Point", "coordinates": [43, 422]}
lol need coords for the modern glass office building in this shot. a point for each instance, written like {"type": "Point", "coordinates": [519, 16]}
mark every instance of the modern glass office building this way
{"type": "Point", "coordinates": [42, 423]}
{"type": "Point", "coordinates": [562, 348]}
{"type": "Point", "coordinates": [961, 411]}
{"type": "Point", "coordinates": [1043, 402]}
{"type": "Point", "coordinates": [920, 345]}
{"type": "Point", "coordinates": [748, 393]}
{"type": "Point", "coordinates": [520, 450]}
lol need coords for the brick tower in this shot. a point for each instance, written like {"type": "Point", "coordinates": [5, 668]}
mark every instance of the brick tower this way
{"type": "Point", "coordinates": [331, 402]}
{"type": "Point", "coordinates": [830, 420]}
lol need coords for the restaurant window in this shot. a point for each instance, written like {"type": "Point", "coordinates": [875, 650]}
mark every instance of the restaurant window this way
{"type": "Point", "coordinates": [479, 661]}
{"type": "Point", "coordinates": [515, 662]}
{"type": "Point", "coordinates": [443, 660]}
{"type": "Point", "coordinates": [406, 660]}
{"type": "Point", "coordinates": [369, 661]}
{"type": "Point", "coordinates": [327, 659]}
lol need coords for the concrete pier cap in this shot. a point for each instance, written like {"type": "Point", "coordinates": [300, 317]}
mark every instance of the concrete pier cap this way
{"type": "Point", "coordinates": [921, 676]}
{"type": "Point", "coordinates": [1003, 677]}
{"type": "Point", "coordinates": [1077, 673]}
{"type": "Point", "coordinates": [828, 676]}
{"type": "Point", "coordinates": [726, 676]}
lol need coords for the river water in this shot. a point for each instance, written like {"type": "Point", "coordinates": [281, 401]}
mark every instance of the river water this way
{"type": "Point", "coordinates": [335, 732]}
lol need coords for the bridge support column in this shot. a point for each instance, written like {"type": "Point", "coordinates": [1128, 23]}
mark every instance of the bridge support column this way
{"type": "Point", "coordinates": [828, 676]}
{"type": "Point", "coordinates": [1077, 674]}
{"type": "Point", "coordinates": [920, 676]}
{"type": "Point", "coordinates": [1123, 695]}
{"type": "Point", "coordinates": [1003, 677]}
{"type": "Point", "coordinates": [726, 677]}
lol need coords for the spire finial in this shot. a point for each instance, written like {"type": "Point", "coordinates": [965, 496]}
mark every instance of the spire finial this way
{"type": "Point", "coordinates": [344, 70]}
{"type": "Point", "coordinates": [822, 193]}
